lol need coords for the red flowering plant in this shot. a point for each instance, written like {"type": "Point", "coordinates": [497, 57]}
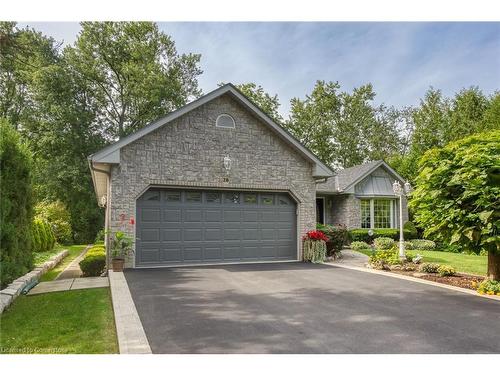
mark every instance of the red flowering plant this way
{"type": "Point", "coordinates": [315, 235]}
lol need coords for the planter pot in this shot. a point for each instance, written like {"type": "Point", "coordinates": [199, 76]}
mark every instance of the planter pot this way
{"type": "Point", "coordinates": [117, 264]}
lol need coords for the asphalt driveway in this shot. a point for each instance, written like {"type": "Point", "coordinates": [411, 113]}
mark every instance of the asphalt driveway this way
{"type": "Point", "coordinates": [306, 308]}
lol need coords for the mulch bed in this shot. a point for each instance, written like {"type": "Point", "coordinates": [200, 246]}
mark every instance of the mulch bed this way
{"type": "Point", "coordinates": [459, 280]}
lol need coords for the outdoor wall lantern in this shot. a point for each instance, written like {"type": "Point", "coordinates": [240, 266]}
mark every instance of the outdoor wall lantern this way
{"type": "Point", "coordinates": [401, 192]}
{"type": "Point", "coordinates": [227, 163]}
{"type": "Point", "coordinates": [102, 201]}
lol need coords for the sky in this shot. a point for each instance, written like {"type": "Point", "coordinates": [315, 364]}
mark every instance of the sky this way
{"type": "Point", "coordinates": [401, 60]}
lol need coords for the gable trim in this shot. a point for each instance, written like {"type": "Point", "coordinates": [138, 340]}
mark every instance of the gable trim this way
{"type": "Point", "coordinates": [380, 163]}
{"type": "Point", "coordinates": [111, 153]}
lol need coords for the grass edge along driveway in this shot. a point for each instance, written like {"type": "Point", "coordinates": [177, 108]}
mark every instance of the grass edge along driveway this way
{"type": "Point", "coordinates": [464, 263]}
{"type": "Point", "coordinates": [74, 321]}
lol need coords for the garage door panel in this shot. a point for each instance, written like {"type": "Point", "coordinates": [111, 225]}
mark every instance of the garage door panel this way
{"type": "Point", "coordinates": [232, 234]}
{"type": "Point", "coordinates": [231, 215]}
{"type": "Point", "coordinates": [172, 234]}
{"type": "Point", "coordinates": [172, 254]}
{"type": "Point", "coordinates": [250, 216]}
{"type": "Point", "coordinates": [150, 235]}
{"type": "Point", "coordinates": [268, 234]}
{"type": "Point", "coordinates": [150, 215]}
{"type": "Point", "coordinates": [212, 253]}
{"type": "Point", "coordinates": [193, 253]}
{"type": "Point", "coordinates": [212, 215]}
{"type": "Point", "coordinates": [232, 253]}
{"type": "Point", "coordinates": [193, 215]}
{"type": "Point", "coordinates": [269, 216]}
{"type": "Point", "coordinates": [284, 234]}
{"type": "Point", "coordinates": [267, 251]}
{"type": "Point", "coordinates": [150, 255]}
{"type": "Point", "coordinates": [251, 234]}
{"type": "Point", "coordinates": [210, 227]}
{"type": "Point", "coordinates": [213, 234]}
{"type": "Point", "coordinates": [193, 234]}
{"type": "Point", "coordinates": [172, 215]}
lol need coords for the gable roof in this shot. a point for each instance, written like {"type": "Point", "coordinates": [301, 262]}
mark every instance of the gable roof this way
{"type": "Point", "coordinates": [111, 153]}
{"type": "Point", "coordinates": [346, 178]}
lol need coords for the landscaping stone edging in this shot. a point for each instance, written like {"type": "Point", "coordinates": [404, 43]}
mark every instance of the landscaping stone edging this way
{"type": "Point", "coordinates": [13, 290]}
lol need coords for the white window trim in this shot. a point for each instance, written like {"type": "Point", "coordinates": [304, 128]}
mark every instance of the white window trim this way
{"type": "Point", "coordinates": [225, 127]}
{"type": "Point", "coordinates": [392, 210]}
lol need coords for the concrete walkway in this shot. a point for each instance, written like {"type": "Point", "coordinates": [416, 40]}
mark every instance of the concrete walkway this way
{"type": "Point", "coordinates": [73, 270]}
{"type": "Point", "coordinates": [69, 284]}
{"type": "Point", "coordinates": [352, 258]}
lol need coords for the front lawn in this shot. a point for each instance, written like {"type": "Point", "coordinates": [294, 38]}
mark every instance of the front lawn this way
{"type": "Point", "coordinates": [474, 264]}
{"type": "Point", "coordinates": [75, 321]}
{"type": "Point", "coordinates": [74, 251]}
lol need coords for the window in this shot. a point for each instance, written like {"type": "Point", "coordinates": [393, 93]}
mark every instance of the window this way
{"type": "Point", "coordinates": [173, 196]}
{"type": "Point", "coordinates": [377, 213]}
{"type": "Point", "coordinates": [365, 214]}
{"type": "Point", "coordinates": [250, 198]}
{"type": "Point", "coordinates": [225, 121]}
{"type": "Point", "coordinates": [152, 196]}
{"type": "Point", "coordinates": [267, 200]}
{"type": "Point", "coordinates": [382, 213]}
{"type": "Point", "coordinates": [284, 201]}
{"type": "Point", "coordinates": [193, 196]}
{"type": "Point", "coordinates": [213, 197]}
{"type": "Point", "coordinates": [232, 198]}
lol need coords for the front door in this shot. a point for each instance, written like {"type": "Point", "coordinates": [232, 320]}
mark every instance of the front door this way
{"type": "Point", "coordinates": [320, 210]}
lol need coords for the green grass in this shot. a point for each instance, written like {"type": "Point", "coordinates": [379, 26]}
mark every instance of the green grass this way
{"type": "Point", "coordinates": [75, 321]}
{"type": "Point", "coordinates": [474, 264]}
{"type": "Point", "coordinates": [74, 251]}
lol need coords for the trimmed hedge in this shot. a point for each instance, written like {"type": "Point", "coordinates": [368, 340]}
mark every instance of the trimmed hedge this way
{"type": "Point", "coordinates": [94, 262]}
{"type": "Point", "coordinates": [16, 207]}
{"type": "Point", "coordinates": [362, 234]}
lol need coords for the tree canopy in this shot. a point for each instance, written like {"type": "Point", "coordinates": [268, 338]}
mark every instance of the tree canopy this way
{"type": "Point", "coordinates": [456, 199]}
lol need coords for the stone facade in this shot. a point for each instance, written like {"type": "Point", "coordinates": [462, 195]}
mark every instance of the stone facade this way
{"type": "Point", "coordinates": [189, 152]}
{"type": "Point", "coordinates": [346, 209]}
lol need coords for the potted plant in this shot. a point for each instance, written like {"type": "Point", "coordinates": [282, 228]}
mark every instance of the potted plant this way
{"type": "Point", "coordinates": [314, 246]}
{"type": "Point", "coordinates": [121, 247]}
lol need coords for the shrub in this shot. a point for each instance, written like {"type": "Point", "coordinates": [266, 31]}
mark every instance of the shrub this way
{"type": "Point", "coordinates": [429, 267]}
{"type": "Point", "coordinates": [94, 262]}
{"type": "Point", "coordinates": [362, 234]}
{"type": "Point", "coordinates": [100, 236]}
{"type": "Point", "coordinates": [16, 207]}
{"type": "Point", "coordinates": [58, 217]}
{"type": "Point", "coordinates": [41, 239]}
{"type": "Point", "coordinates": [45, 236]}
{"type": "Point", "coordinates": [409, 230]}
{"type": "Point", "coordinates": [489, 287]}
{"type": "Point", "coordinates": [444, 270]}
{"type": "Point", "coordinates": [383, 243]}
{"type": "Point", "coordinates": [381, 258]}
{"type": "Point", "coordinates": [423, 245]}
{"type": "Point", "coordinates": [360, 245]}
{"type": "Point", "coordinates": [337, 237]}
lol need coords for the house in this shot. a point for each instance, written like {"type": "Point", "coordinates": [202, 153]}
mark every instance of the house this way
{"type": "Point", "coordinates": [361, 197]}
{"type": "Point", "coordinates": [216, 181]}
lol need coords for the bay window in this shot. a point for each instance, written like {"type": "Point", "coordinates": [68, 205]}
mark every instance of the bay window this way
{"type": "Point", "coordinates": [378, 213]}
